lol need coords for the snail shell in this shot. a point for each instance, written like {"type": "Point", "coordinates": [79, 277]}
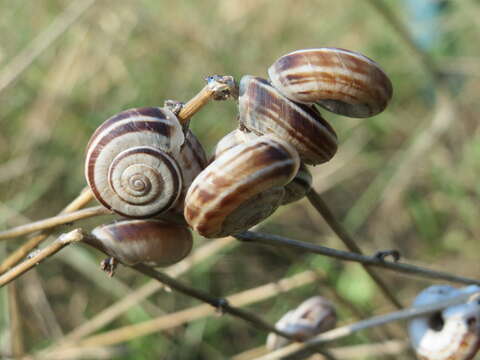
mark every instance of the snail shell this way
{"type": "Point", "coordinates": [341, 81]}
{"type": "Point", "coordinates": [450, 334]}
{"type": "Point", "coordinates": [241, 187]}
{"type": "Point", "coordinates": [136, 159]}
{"type": "Point", "coordinates": [299, 186]}
{"type": "Point", "coordinates": [263, 110]}
{"type": "Point", "coordinates": [312, 317]}
{"type": "Point", "coordinates": [151, 242]}
{"type": "Point", "coordinates": [232, 139]}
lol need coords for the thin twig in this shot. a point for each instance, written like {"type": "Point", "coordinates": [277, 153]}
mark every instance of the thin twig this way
{"type": "Point", "coordinates": [80, 201]}
{"type": "Point", "coordinates": [114, 310]}
{"type": "Point", "coordinates": [46, 38]}
{"type": "Point", "coordinates": [54, 221]}
{"type": "Point", "coordinates": [347, 330]}
{"type": "Point", "coordinates": [331, 220]}
{"type": "Point", "coordinates": [399, 267]}
{"type": "Point", "coordinates": [220, 304]}
{"type": "Point", "coordinates": [57, 245]}
{"type": "Point", "coordinates": [172, 320]}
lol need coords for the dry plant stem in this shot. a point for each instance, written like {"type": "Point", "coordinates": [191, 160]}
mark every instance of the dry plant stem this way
{"type": "Point", "coordinates": [347, 330]}
{"type": "Point", "coordinates": [113, 311]}
{"type": "Point", "coordinates": [217, 88]}
{"type": "Point", "coordinates": [57, 245]}
{"type": "Point", "coordinates": [172, 320]}
{"type": "Point", "coordinates": [16, 334]}
{"type": "Point", "coordinates": [47, 37]}
{"type": "Point", "coordinates": [327, 214]}
{"type": "Point", "coordinates": [54, 222]}
{"type": "Point", "coordinates": [398, 267]}
{"type": "Point", "coordinates": [220, 304]}
{"type": "Point", "coordinates": [80, 201]}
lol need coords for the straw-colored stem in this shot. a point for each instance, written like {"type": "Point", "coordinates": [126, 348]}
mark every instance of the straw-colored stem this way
{"type": "Point", "coordinates": [60, 243]}
{"type": "Point", "coordinates": [54, 222]}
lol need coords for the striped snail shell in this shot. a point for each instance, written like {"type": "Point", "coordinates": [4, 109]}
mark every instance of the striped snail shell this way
{"type": "Point", "coordinates": [312, 317]}
{"type": "Point", "coordinates": [151, 242]}
{"type": "Point", "coordinates": [241, 187]}
{"type": "Point", "coordinates": [135, 161]}
{"type": "Point", "coordinates": [299, 186]}
{"type": "Point", "coordinates": [341, 81]}
{"type": "Point", "coordinates": [232, 139]}
{"type": "Point", "coordinates": [263, 110]}
{"type": "Point", "coordinates": [450, 334]}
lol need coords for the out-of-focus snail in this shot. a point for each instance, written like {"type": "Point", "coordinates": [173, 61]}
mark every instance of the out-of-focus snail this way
{"type": "Point", "coordinates": [151, 242]}
{"type": "Point", "coordinates": [140, 162]}
{"type": "Point", "coordinates": [241, 187]}
{"type": "Point", "coordinates": [341, 81]}
{"type": "Point", "coordinates": [312, 317]}
{"type": "Point", "coordinates": [263, 110]}
{"type": "Point", "coordinates": [450, 334]}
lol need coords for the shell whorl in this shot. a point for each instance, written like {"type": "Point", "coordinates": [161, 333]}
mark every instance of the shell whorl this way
{"type": "Point", "coordinates": [131, 162]}
{"type": "Point", "coordinates": [241, 187]}
{"type": "Point", "coordinates": [299, 186]}
{"type": "Point", "coordinates": [152, 242]}
{"type": "Point", "coordinates": [339, 80]}
{"type": "Point", "coordinates": [263, 110]}
{"type": "Point", "coordinates": [450, 334]}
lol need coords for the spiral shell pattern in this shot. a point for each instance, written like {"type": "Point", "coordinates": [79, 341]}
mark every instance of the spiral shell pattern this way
{"type": "Point", "coordinates": [450, 334]}
{"type": "Point", "coordinates": [130, 162]}
{"type": "Point", "coordinates": [312, 317]}
{"type": "Point", "coordinates": [341, 81]}
{"type": "Point", "coordinates": [241, 187]}
{"type": "Point", "coordinates": [151, 242]}
{"type": "Point", "coordinates": [263, 110]}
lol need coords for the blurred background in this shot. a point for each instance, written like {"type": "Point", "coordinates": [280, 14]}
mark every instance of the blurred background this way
{"type": "Point", "coordinates": [405, 179]}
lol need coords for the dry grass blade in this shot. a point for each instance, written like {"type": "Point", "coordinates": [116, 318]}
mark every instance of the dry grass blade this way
{"type": "Point", "coordinates": [64, 240]}
{"type": "Point", "coordinates": [46, 38]}
{"type": "Point", "coordinates": [54, 222]}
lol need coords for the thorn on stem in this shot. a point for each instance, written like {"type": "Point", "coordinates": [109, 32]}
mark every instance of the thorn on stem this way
{"type": "Point", "coordinates": [382, 255]}
{"type": "Point", "coordinates": [221, 306]}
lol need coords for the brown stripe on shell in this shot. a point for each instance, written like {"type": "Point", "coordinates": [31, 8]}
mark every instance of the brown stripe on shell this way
{"type": "Point", "coordinates": [299, 186]}
{"type": "Point", "coordinates": [153, 242]}
{"type": "Point", "coordinates": [235, 177]}
{"type": "Point", "coordinates": [360, 87]}
{"type": "Point", "coordinates": [264, 110]}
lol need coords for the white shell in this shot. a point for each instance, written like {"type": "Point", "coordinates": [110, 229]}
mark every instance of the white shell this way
{"type": "Point", "coordinates": [451, 334]}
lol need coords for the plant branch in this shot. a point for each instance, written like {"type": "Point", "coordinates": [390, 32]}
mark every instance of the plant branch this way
{"type": "Point", "coordinates": [62, 241]}
{"type": "Point", "coordinates": [318, 203]}
{"type": "Point", "coordinates": [54, 221]}
{"type": "Point", "coordinates": [398, 267]}
{"type": "Point", "coordinates": [80, 201]}
{"type": "Point", "coordinates": [220, 304]}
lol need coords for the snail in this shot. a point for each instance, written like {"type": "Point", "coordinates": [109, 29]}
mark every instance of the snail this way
{"type": "Point", "coordinates": [312, 317]}
{"type": "Point", "coordinates": [450, 334]}
{"type": "Point", "coordinates": [241, 187]}
{"type": "Point", "coordinates": [299, 186]}
{"type": "Point", "coordinates": [263, 110]}
{"type": "Point", "coordinates": [151, 242]}
{"type": "Point", "coordinates": [140, 162]}
{"type": "Point", "coordinates": [341, 81]}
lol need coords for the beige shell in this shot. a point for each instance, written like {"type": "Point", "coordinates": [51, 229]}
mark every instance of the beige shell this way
{"type": "Point", "coordinates": [341, 81]}
{"type": "Point", "coordinates": [232, 139]}
{"type": "Point", "coordinates": [140, 161]}
{"type": "Point", "coordinates": [450, 334]}
{"type": "Point", "coordinates": [263, 110]}
{"type": "Point", "coordinates": [299, 186]}
{"type": "Point", "coordinates": [151, 242]}
{"type": "Point", "coordinates": [312, 317]}
{"type": "Point", "coordinates": [241, 187]}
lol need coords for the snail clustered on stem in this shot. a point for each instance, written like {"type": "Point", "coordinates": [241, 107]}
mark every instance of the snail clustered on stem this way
{"type": "Point", "coordinates": [145, 162]}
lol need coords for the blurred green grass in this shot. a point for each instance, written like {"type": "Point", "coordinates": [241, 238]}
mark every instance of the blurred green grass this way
{"type": "Point", "coordinates": [124, 54]}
